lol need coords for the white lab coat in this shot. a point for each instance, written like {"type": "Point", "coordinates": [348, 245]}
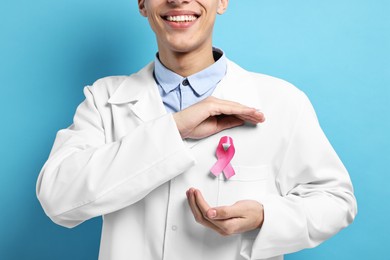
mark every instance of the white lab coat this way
{"type": "Point", "coordinates": [123, 158]}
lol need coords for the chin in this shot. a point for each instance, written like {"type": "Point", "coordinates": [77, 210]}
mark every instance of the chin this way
{"type": "Point", "coordinates": [185, 46]}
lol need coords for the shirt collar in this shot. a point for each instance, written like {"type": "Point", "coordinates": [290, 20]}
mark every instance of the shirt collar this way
{"type": "Point", "coordinates": [200, 82]}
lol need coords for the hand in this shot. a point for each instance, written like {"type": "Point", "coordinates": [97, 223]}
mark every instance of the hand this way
{"type": "Point", "coordinates": [244, 215]}
{"type": "Point", "coordinates": [213, 115]}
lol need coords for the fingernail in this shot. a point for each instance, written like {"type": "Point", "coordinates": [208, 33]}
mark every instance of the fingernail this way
{"type": "Point", "coordinates": [212, 213]}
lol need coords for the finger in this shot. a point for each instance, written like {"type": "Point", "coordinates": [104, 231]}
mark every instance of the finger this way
{"type": "Point", "coordinates": [224, 226]}
{"type": "Point", "coordinates": [201, 202]}
{"type": "Point", "coordinates": [189, 119]}
{"type": "Point", "coordinates": [240, 209]}
{"type": "Point", "coordinates": [223, 213]}
{"type": "Point", "coordinates": [230, 219]}
{"type": "Point", "coordinates": [196, 211]}
{"type": "Point", "coordinates": [248, 215]}
{"type": "Point", "coordinates": [250, 115]}
{"type": "Point", "coordinates": [232, 108]}
{"type": "Point", "coordinates": [193, 206]}
{"type": "Point", "coordinates": [221, 106]}
{"type": "Point", "coordinates": [230, 226]}
{"type": "Point", "coordinates": [227, 122]}
{"type": "Point", "coordinates": [254, 118]}
{"type": "Point", "coordinates": [199, 217]}
{"type": "Point", "coordinates": [217, 213]}
{"type": "Point", "coordinates": [217, 106]}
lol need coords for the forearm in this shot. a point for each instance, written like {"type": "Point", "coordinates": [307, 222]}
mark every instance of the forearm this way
{"type": "Point", "coordinates": [80, 182]}
{"type": "Point", "coordinates": [315, 199]}
{"type": "Point", "coordinates": [293, 223]}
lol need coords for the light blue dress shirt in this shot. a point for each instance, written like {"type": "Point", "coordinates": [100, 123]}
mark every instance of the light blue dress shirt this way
{"type": "Point", "coordinates": [178, 92]}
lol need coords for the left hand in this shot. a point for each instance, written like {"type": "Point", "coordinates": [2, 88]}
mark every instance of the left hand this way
{"type": "Point", "coordinates": [242, 216]}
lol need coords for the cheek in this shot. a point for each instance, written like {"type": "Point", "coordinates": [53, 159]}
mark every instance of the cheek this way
{"type": "Point", "coordinates": [208, 25]}
{"type": "Point", "coordinates": [154, 24]}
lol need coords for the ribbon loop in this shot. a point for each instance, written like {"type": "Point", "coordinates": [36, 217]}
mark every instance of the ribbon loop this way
{"type": "Point", "coordinates": [225, 152]}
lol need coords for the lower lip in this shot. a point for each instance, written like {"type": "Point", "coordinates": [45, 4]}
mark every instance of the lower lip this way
{"type": "Point", "coordinates": [180, 25]}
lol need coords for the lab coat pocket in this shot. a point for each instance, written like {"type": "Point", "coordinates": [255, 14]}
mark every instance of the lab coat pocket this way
{"type": "Point", "coordinates": [249, 183]}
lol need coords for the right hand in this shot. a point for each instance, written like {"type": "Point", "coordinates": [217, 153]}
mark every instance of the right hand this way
{"type": "Point", "coordinates": [213, 115]}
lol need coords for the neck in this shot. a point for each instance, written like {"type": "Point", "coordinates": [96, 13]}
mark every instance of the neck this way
{"type": "Point", "coordinates": [186, 64]}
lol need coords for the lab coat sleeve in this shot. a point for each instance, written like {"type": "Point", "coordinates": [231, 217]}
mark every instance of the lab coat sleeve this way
{"type": "Point", "coordinates": [86, 177]}
{"type": "Point", "coordinates": [316, 195]}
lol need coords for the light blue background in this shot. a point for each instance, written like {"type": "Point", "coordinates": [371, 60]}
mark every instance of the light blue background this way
{"type": "Point", "coordinates": [338, 52]}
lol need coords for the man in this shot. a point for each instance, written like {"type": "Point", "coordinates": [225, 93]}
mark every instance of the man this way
{"type": "Point", "coordinates": [141, 150]}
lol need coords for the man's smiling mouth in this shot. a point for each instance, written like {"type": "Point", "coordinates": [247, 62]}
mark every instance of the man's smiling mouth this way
{"type": "Point", "coordinates": [181, 18]}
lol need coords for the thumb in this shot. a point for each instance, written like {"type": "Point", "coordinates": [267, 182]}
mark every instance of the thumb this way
{"type": "Point", "coordinates": [220, 213]}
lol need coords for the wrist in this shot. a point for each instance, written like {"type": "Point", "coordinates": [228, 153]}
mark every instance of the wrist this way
{"type": "Point", "coordinates": [261, 216]}
{"type": "Point", "coordinates": [177, 118]}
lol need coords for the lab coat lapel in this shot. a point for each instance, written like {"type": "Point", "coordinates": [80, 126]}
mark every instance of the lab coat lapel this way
{"type": "Point", "coordinates": [237, 86]}
{"type": "Point", "coordinates": [139, 91]}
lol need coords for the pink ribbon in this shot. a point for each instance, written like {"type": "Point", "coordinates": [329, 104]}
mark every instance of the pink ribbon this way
{"type": "Point", "coordinates": [225, 152]}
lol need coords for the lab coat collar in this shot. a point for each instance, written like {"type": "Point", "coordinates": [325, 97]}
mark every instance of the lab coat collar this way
{"type": "Point", "coordinates": [133, 88]}
{"type": "Point", "coordinates": [140, 91]}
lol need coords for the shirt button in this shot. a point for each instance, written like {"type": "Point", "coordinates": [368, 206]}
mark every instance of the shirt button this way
{"type": "Point", "coordinates": [174, 227]}
{"type": "Point", "coordinates": [185, 82]}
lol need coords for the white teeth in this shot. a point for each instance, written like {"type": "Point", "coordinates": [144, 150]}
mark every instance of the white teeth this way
{"type": "Point", "coordinates": [181, 18]}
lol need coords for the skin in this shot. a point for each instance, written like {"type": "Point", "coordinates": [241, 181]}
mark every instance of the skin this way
{"type": "Point", "coordinates": [242, 216]}
{"type": "Point", "coordinates": [186, 48]}
{"type": "Point", "coordinates": [213, 115]}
